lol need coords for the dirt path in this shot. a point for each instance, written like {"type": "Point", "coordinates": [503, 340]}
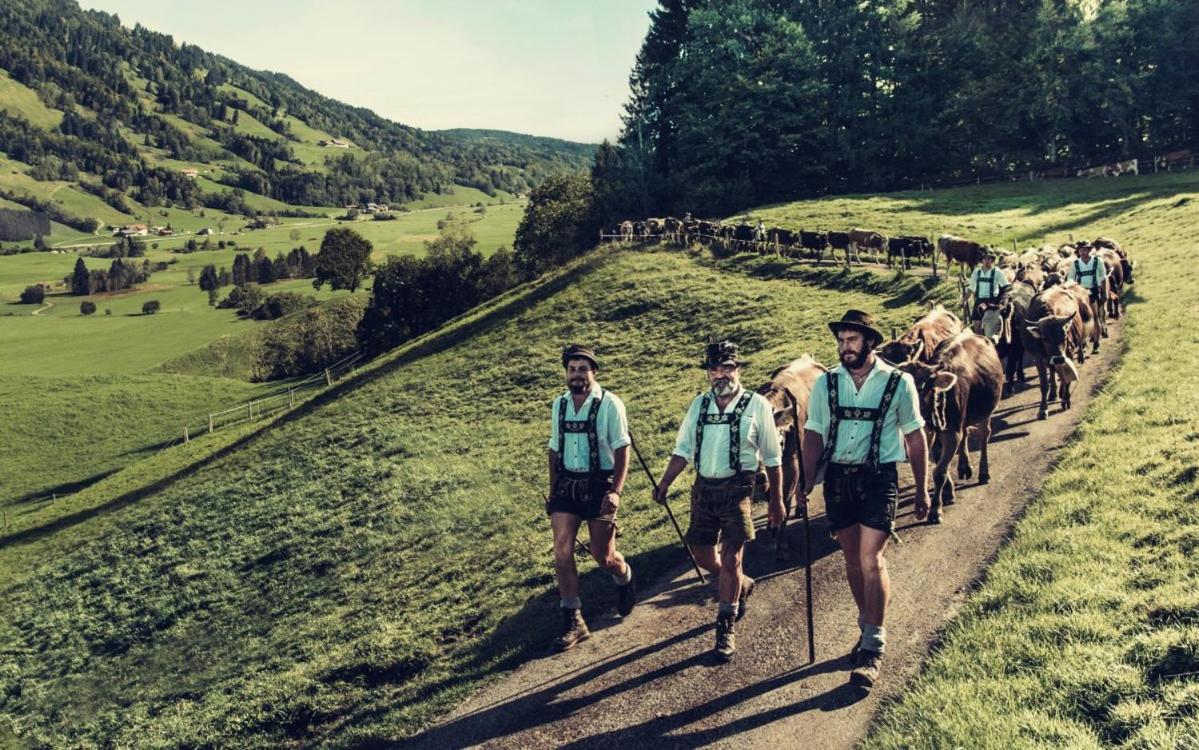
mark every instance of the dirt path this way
{"type": "Point", "coordinates": [43, 308]}
{"type": "Point", "coordinates": [649, 682]}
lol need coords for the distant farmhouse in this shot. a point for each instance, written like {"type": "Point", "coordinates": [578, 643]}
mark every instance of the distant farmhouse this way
{"type": "Point", "coordinates": [132, 230]}
{"type": "Point", "coordinates": [333, 143]}
{"type": "Point", "coordinates": [191, 174]}
{"type": "Point", "coordinates": [366, 211]}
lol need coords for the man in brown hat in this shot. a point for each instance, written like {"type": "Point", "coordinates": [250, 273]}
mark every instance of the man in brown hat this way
{"type": "Point", "coordinates": [863, 420]}
{"type": "Point", "coordinates": [588, 464]}
{"type": "Point", "coordinates": [727, 432]}
{"type": "Point", "coordinates": [1089, 270]}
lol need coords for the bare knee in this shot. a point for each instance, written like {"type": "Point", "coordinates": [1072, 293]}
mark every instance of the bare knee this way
{"type": "Point", "coordinates": [605, 558]}
{"type": "Point", "coordinates": [563, 552]}
{"type": "Point", "coordinates": [872, 564]}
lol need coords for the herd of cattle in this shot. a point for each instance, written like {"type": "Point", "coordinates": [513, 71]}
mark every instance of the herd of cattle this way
{"type": "Point", "coordinates": [742, 237]}
{"type": "Point", "coordinates": [962, 373]}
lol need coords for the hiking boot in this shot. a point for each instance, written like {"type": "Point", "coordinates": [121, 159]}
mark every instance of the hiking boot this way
{"type": "Point", "coordinates": [626, 596]}
{"type": "Point", "coordinates": [865, 674]}
{"type": "Point", "coordinates": [574, 630]}
{"type": "Point", "coordinates": [726, 639]}
{"type": "Point", "coordinates": [747, 590]}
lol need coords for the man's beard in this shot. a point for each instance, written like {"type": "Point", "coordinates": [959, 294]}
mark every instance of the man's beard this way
{"type": "Point", "coordinates": [577, 386]}
{"type": "Point", "coordinates": [725, 386]}
{"type": "Point", "coordinates": [854, 360]}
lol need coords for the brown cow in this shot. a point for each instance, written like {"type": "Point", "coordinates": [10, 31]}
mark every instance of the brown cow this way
{"type": "Point", "coordinates": [962, 251]}
{"type": "Point", "coordinates": [787, 391]}
{"type": "Point", "coordinates": [1115, 283]}
{"type": "Point", "coordinates": [876, 242]}
{"type": "Point", "coordinates": [922, 339]}
{"type": "Point", "coordinates": [958, 391]}
{"type": "Point", "coordinates": [1057, 325]}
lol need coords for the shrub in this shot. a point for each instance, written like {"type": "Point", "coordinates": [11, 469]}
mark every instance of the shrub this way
{"type": "Point", "coordinates": [149, 307]}
{"type": "Point", "coordinates": [243, 298]}
{"type": "Point", "coordinates": [87, 307]}
{"type": "Point", "coordinates": [282, 304]}
{"type": "Point", "coordinates": [33, 295]}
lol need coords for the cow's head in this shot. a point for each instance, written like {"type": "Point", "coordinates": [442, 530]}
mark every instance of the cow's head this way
{"type": "Point", "coordinates": [898, 351]}
{"type": "Point", "coordinates": [994, 323]}
{"type": "Point", "coordinates": [934, 387]}
{"type": "Point", "coordinates": [1053, 333]}
{"type": "Point", "coordinates": [785, 412]}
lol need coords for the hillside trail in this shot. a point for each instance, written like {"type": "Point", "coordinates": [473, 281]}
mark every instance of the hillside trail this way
{"type": "Point", "coordinates": [649, 681]}
{"type": "Point", "coordinates": [43, 308]}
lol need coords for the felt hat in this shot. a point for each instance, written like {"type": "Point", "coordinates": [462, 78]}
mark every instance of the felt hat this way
{"type": "Point", "coordinates": [857, 320]}
{"type": "Point", "coordinates": [722, 354]}
{"type": "Point", "coordinates": [578, 351]}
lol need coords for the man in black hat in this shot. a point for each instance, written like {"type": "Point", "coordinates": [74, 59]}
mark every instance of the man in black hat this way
{"type": "Point", "coordinates": [727, 432]}
{"type": "Point", "coordinates": [863, 420]}
{"type": "Point", "coordinates": [987, 284]}
{"type": "Point", "coordinates": [588, 464]}
{"type": "Point", "coordinates": [1089, 270]}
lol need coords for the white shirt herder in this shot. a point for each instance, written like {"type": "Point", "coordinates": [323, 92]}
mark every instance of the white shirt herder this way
{"type": "Point", "coordinates": [853, 436]}
{"type": "Point", "coordinates": [611, 430]}
{"type": "Point", "coordinates": [759, 437]}
{"type": "Point", "coordinates": [1094, 280]}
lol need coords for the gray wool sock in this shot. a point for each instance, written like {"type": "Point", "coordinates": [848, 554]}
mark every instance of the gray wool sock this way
{"type": "Point", "coordinates": [874, 638]}
{"type": "Point", "coordinates": [728, 609]}
{"type": "Point", "coordinates": [624, 578]}
{"type": "Point", "coordinates": [572, 603]}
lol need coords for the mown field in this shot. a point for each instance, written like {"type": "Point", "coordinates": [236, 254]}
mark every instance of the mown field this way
{"type": "Point", "coordinates": [351, 573]}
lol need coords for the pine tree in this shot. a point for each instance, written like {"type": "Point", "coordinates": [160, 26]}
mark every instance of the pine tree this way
{"type": "Point", "coordinates": [81, 279]}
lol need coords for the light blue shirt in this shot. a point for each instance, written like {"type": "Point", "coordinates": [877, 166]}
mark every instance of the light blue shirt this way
{"type": "Point", "coordinates": [759, 437]}
{"type": "Point", "coordinates": [853, 436]}
{"type": "Point", "coordinates": [611, 430]}
{"type": "Point", "coordinates": [999, 282]}
{"type": "Point", "coordinates": [1093, 281]}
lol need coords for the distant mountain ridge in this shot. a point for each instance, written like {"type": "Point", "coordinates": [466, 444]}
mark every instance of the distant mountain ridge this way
{"type": "Point", "coordinates": [134, 110]}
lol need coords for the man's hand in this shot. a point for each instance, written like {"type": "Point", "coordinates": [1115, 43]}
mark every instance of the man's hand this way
{"type": "Point", "coordinates": [776, 514]}
{"type": "Point", "coordinates": [610, 504]}
{"type": "Point", "coordinates": [922, 503]}
{"type": "Point", "coordinates": [801, 497]}
{"type": "Point", "coordinates": [661, 492]}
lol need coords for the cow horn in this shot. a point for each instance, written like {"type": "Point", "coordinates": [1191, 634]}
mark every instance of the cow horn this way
{"type": "Point", "coordinates": [1064, 319]}
{"type": "Point", "coordinates": [917, 350]}
{"type": "Point", "coordinates": [1033, 331]}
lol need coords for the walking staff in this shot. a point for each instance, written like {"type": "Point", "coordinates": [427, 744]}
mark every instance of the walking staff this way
{"type": "Point", "coordinates": [654, 483]}
{"type": "Point", "coordinates": [726, 433]}
{"type": "Point", "coordinates": [863, 419]}
{"type": "Point", "coordinates": [588, 465]}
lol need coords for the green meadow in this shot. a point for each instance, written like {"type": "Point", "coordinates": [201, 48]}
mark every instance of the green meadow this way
{"type": "Point", "coordinates": [350, 573]}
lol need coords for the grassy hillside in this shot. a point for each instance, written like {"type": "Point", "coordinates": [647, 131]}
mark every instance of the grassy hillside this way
{"type": "Point", "coordinates": [349, 574]}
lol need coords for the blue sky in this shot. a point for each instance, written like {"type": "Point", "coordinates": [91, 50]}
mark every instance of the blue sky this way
{"type": "Point", "coordinates": [547, 67]}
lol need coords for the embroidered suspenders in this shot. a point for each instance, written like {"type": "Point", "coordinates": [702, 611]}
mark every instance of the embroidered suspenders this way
{"type": "Point", "coordinates": [732, 419]}
{"type": "Point", "coordinates": [978, 287]}
{"type": "Point", "coordinates": [1088, 274]}
{"type": "Point", "coordinates": [579, 426]}
{"type": "Point", "coordinates": [859, 414]}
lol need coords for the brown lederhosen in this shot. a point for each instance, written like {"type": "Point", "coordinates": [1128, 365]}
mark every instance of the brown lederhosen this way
{"type": "Point", "coordinates": [721, 510]}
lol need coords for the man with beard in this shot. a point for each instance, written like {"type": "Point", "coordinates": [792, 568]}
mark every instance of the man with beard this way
{"type": "Point", "coordinates": [588, 463]}
{"type": "Point", "coordinates": [864, 419]}
{"type": "Point", "coordinates": [726, 432]}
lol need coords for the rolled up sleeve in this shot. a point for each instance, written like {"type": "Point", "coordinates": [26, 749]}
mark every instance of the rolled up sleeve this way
{"type": "Point", "coordinates": [768, 435]}
{"type": "Point", "coordinates": [618, 425]}
{"type": "Point", "coordinates": [818, 415]}
{"type": "Point", "coordinates": [553, 443]}
{"type": "Point", "coordinates": [684, 442]}
{"type": "Point", "coordinates": [908, 410]}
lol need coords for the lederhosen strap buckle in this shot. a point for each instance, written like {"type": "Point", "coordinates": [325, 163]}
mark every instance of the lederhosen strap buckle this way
{"type": "Point", "coordinates": [732, 419]}
{"type": "Point", "coordinates": [875, 415]}
{"type": "Point", "coordinates": [579, 426]}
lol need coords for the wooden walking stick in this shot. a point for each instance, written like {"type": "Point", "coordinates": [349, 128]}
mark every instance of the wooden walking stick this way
{"type": "Point", "coordinates": [807, 541]}
{"type": "Point", "coordinates": [669, 512]}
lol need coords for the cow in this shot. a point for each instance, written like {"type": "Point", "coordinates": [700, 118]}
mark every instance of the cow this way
{"type": "Point", "coordinates": [958, 390]}
{"type": "Point", "coordinates": [639, 230]}
{"type": "Point", "coordinates": [626, 231]}
{"type": "Point", "coordinates": [839, 241]}
{"type": "Point", "coordinates": [743, 236]}
{"type": "Point", "coordinates": [1002, 326]}
{"type": "Point", "coordinates": [671, 228]}
{"type": "Point", "coordinates": [907, 248]}
{"type": "Point", "coordinates": [654, 229]}
{"type": "Point", "coordinates": [783, 240]}
{"type": "Point", "coordinates": [1058, 323]}
{"type": "Point", "coordinates": [1115, 283]}
{"type": "Point", "coordinates": [922, 339]}
{"type": "Point", "coordinates": [874, 241]}
{"type": "Point", "coordinates": [1104, 243]}
{"type": "Point", "coordinates": [816, 242]}
{"type": "Point", "coordinates": [962, 251]}
{"type": "Point", "coordinates": [787, 392]}
{"type": "Point", "coordinates": [707, 231]}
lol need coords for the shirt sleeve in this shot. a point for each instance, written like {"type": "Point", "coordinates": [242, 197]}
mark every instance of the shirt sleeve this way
{"type": "Point", "coordinates": [973, 282]}
{"type": "Point", "coordinates": [908, 414]}
{"type": "Point", "coordinates": [768, 435]}
{"type": "Point", "coordinates": [684, 442]}
{"type": "Point", "coordinates": [818, 415]}
{"type": "Point", "coordinates": [618, 425]}
{"type": "Point", "coordinates": [1002, 279]}
{"type": "Point", "coordinates": [553, 443]}
{"type": "Point", "coordinates": [1072, 272]}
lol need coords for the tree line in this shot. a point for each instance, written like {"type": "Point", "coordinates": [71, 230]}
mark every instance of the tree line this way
{"type": "Point", "coordinates": [746, 102]}
{"type": "Point", "coordinates": [19, 226]}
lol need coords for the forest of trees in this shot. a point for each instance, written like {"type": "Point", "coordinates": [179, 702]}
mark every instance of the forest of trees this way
{"type": "Point", "coordinates": [74, 57]}
{"type": "Point", "coordinates": [745, 102]}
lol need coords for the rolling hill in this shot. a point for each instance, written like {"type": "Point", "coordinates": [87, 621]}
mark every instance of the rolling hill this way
{"type": "Point", "coordinates": [345, 576]}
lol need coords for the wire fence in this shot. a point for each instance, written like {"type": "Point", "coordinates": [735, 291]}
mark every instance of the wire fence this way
{"type": "Point", "coordinates": [287, 396]}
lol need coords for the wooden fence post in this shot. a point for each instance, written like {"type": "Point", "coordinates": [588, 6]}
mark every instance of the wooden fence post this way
{"type": "Point", "coordinates": [209, 424]}
{"type": "Point", "coordinates": [328, 376]}
{"type": "Point", "coordinates": [186, 437]}
{"type": "Point", "coordinates": [250, 406]}
{"type": "Point", "coordinates": [291, 397]}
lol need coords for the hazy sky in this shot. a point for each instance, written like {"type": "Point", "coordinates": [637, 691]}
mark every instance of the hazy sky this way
{"type": "Point", "coordinates": [546, 67]}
